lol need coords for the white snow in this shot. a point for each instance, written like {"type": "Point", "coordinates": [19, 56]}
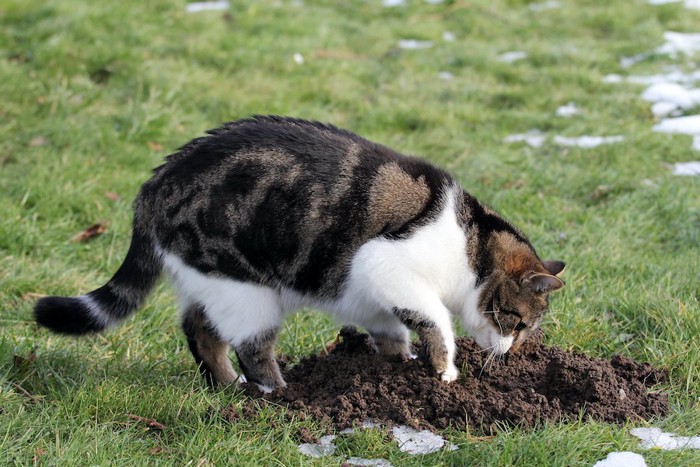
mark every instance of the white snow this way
{"type": "Point", "coordinates": [366, 425]}
{"type": "Point", "coordinates": [417, 442]}
{"type": "Point", "coordinates": [568, 110]}
{"type": "Point", "coordinates": [413, 44]}
{"type": "Point", "coordinates": [613, 78]}
{"type": "Point", "coordinates": [690, 4]}
{"type": "Point", "coordinates": [686, 168]}
{"type": "Point", "coordinates": [689, 125]}
{"type": "Point", "coordinates": [679, 43]}
{"type": "Point", "coordinates": [696, 143]}
{"type": "Point", "coordinates": [622, 459]}
{"type": "Point", "coordinates": [670, 97]}
{"type": "Point", "coordinates": [664, 109]}
{"type": "Point", "coordinates": [672, 74]}
{"type": "Point", "coordinates": [655, 438]}
{"type": "Point", "coordinates": [549, 5]}
{"type": "Point", "coordinates": [196, 7]}
{"type": "Point", "coordinates": [626, 62]}
{"type": "Point", "coordinates": [587, 141]}
{"type": "Point", "coordinates": [510, 57]}
{"type": "Point", "coordinates": [369, 462]}
{"type": "Point", "coordinates": [325, 447]}
{"type": "Point", "coordinates": [533, 138]}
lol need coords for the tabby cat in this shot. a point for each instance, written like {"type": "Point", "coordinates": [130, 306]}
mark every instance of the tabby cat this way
{"type": "Point", "coordinates": [267, 215]}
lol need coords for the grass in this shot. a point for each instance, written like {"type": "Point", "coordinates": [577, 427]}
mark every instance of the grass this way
{"type": "Point", "coordinates": [95, 94]}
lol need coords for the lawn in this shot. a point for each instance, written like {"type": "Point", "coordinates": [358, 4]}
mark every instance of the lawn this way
{"type": "Point", "coordinates": [93, 95]}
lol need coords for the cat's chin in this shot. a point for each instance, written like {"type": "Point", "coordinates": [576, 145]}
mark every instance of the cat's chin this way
{"type": "Point", "coordinates": [491, 341]}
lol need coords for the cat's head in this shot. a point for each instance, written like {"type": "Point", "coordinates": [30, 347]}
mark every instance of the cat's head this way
{"type": "Point", "coordinates": [514, 298]}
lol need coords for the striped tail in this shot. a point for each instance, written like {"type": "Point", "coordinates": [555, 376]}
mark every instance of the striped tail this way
{"type": "Point", "coordinates": [111, 303]}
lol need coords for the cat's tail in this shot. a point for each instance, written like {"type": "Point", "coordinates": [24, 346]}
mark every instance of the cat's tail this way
{"type": "Point", "coordinates": [111, 303]}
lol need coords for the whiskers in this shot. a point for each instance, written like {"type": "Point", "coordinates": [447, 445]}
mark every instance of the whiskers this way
{"type": "Point", "coordinates": [491, 358]}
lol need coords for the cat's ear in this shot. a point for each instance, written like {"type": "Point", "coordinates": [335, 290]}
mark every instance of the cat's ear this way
{"type": "Point", "coordinates": [554, 267]}
{"type": "Point", "coordinates": [543, 283]}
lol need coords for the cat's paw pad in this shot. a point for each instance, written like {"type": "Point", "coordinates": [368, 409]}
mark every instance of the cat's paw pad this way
{"type": "Point", "coordinates": [449, 375]}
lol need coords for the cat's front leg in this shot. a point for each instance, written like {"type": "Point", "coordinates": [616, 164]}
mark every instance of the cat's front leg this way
{"type": "Point", "coordinates": [434, 328]}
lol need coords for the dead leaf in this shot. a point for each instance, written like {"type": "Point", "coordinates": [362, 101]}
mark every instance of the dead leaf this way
{"type": "Point", "coordinates": [156, 450]}
{"type": "Point", "coordinates": [150, 423]}
{"type": "Point", "coordinates": [39, 452]}
{"type": "Point", "coordinates": [112, 195]}
{"type": "Point", "coordinates": [515, 184]}
{"type": "Point", "coordinates": [32, 296]}
{"type": "Point", "coordinates": [21, 361]}
{"type": "Point", "coordinates": [155, 146]}
{"type": "Point", "coordinates": [91, 232]}
{"type": "Point", "coordinates": [38, 141]}
{"type": "Point", "coordinates": [330, 346]}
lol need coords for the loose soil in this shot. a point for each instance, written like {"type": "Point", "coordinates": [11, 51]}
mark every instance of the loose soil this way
{"type": "Point", "coordinates": [539, 383]}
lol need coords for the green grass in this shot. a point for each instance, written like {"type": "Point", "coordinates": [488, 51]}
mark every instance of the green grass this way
{"type": "Point", "coordinates": [94, 94]}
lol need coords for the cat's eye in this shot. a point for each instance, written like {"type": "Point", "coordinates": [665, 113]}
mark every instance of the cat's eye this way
{"type": "Point", "coordinates": [520, 326]}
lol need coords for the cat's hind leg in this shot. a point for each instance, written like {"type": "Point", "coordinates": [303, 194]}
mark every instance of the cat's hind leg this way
{"type": "Point", "coordinates": [389, 335]}
{"type": "Point", "coordinates": [256, 356]}
{"type": "Point", "coordinates": [209, 351]}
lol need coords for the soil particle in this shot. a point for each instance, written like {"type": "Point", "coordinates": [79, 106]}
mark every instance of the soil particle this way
{"type": "Point", "coordinates": [537, 384]}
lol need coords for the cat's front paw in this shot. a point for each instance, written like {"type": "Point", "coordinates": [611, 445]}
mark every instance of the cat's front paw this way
{"type": "Point", "coordinates": [449, 375]}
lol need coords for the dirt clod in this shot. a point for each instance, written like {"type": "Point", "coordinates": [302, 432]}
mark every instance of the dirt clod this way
{"type": "Point", "coordinates": [538, 383]}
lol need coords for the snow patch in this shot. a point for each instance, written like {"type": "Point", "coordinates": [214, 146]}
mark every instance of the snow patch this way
{"type": "Point", "coordinates": [613, 78]}
{"type": "Point", "coordinates": [413, 44]}
{"type": "Point", "coordinates": [533, 138]}
{"type": "Point", "coordinates": [667, 98]}
{"type": "Point", "coordinates": [627, 62]}
{"type": "Point", "coordinates": [197, 7]}
{"type": "Point", "coordinates": [687, 169]}
{"type": "Point", "coordinates": [418, 442]}
{"type": "Point", "coordinates": [568, 110]}
{"type": "Point", "coordinates": [690, 4]}
{"type": "Point", "coordinates": [587, 141]}
{"type": "Point", "coordinates": [369, 462]}
{"type": "Point", "coordinates": [550, 5]}
{"type": "Point", "coordinates": [513, 56]}
{"type": "Point", "coordinates": [689, 125]}
{"type": "Point", "coordinates": [622, 459]}
{"type": "Point", "coordinates": [679, 43]}
{"type": "Point", "coordinates": [325, 447]}
{"type": "Point", "coordinates": [655, 438]}
{"type": "Point", "coordinates": [696, 143]}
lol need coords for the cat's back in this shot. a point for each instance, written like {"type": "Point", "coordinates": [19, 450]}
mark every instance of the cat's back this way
{"type": "Point", "coordinates": [274, 199]}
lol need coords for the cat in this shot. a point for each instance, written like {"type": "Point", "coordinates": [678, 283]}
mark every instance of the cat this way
{"type": "Point", "coordinates": [268, 215]}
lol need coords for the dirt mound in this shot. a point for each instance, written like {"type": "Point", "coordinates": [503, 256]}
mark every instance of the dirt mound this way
{"type": "Point", "coordinates": [538, 383]}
